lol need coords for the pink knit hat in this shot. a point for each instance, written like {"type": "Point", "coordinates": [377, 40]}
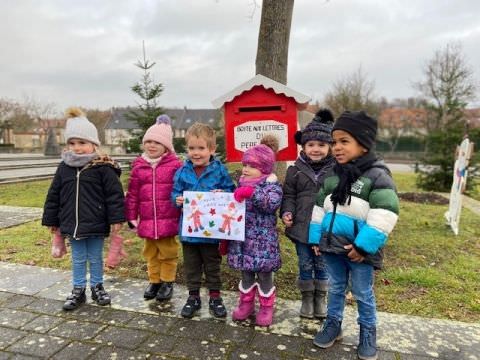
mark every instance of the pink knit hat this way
{"type": "Point", "coordinates": [260, 157]}
{"type": "Point", "coordinates": [161, 132]}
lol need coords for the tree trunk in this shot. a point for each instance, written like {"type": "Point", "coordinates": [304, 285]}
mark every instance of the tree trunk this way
{"type": "Point", "coordinates": [272, 48]}
{"type": "Point", "coordinates": [273, 38]}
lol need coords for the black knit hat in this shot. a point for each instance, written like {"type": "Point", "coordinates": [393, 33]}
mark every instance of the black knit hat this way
{"type": "Point", "coordinates": [358, 124]}
{"type": "Point", "coordinates": [319, 128]}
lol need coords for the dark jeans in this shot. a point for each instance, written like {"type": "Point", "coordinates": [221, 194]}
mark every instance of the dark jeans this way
{"type": "Point", "coordinates": [310, 266]}
{"type": "Point", "coordinates": [199, 259]}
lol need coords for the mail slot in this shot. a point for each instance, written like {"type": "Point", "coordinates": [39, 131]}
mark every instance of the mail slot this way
{"type": "Point", "coordinates": [258, 107]}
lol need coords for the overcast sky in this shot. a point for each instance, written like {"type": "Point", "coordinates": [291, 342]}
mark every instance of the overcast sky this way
{"type": "Point", "coordinates": [82, 52]}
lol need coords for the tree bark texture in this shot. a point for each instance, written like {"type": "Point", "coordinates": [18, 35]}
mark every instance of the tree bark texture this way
{"type": "Point", "coordinates": [273, 38]}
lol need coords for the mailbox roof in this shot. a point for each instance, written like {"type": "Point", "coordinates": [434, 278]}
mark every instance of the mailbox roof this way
{"type": "Point", "coordinates": [267, 83]}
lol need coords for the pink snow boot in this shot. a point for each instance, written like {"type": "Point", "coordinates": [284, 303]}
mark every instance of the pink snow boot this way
{"type": "Point", "coordinates": [267, 302]}
{"type": "Point", "coordinates": [246, 304]}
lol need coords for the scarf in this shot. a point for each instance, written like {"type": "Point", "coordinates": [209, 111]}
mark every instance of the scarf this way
{"type": "Point", "coordinates": [151, 161]}
{"type": "Point", "coordinates": [77, 160]}
{"type": "Point", "coordinates": [252, 182]}
{"type": "Point", "coordinates": [349, 173]}
{"type": "Point", "coordinates": [317, 165]}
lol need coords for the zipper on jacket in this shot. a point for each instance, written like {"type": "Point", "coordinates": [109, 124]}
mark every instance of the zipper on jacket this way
{"type": "Point", "coordinates": [154, 202]}
{"type": "Point", "coordinates": [76, 204]}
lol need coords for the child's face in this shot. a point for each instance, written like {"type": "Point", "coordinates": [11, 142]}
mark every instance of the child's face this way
{"type": "Point", "coordinates": [154, 149]}
{"type": "Point", "coordinates": [198, 151]}
{"type": "Point", "coordinates": [80, 146]}
{"type": "Point", "coordinates": [250, 172]}
{"type": "Point", "coordinates": [345, 147]}
{"type": "Point", "coordinates": [316, 150]}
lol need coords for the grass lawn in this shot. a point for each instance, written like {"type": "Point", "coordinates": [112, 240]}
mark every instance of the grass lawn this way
{"type": "Point", "coordinates": [428, 270]}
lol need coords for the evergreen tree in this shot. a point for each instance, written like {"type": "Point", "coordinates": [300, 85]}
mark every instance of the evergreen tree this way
{"type": "Point", "coordinates": [148, 110]}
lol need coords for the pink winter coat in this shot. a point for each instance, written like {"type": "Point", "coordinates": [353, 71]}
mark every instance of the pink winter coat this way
{"type": "Point", "coordinates": [148, 200]}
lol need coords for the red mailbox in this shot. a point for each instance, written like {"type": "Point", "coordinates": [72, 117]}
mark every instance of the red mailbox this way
{"type": "Point", "coordinates": [258, 107]}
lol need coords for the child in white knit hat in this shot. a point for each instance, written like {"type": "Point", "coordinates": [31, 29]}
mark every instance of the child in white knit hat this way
{"type": "Point", "coordinates": [149, 209]}
{"type": "Point", "coordinates": [84, 202]}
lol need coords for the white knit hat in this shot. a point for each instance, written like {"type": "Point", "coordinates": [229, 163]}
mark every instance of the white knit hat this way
{"type": "Point", "coordinates": [79, 127]}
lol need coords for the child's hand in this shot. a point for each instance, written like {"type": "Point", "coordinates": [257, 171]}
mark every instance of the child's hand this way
{"type": "Point", "coordinates": [316, 250]}
{"type": "Point", "coordinates": [53, 229]}
{"type": "Point", "coordinates": [179, 200]}
{"type": "Point", "coordinates": [287, 219]}
{"type": "Point", "coordinates": [353, 254]}
{"type": "Point", "coordinates": [116, 228]}
{"type": "Point", "coordinates": [243, 192]}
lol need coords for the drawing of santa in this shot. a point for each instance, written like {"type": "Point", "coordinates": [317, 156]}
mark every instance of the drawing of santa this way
{"type": "Point", "coordinates": [195, 215]}
{"type": "Point", "coordinates": [227, 219]}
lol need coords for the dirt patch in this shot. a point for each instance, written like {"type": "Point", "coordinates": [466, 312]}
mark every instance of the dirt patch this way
{"type": "Point", "coordinates": [423, 198]}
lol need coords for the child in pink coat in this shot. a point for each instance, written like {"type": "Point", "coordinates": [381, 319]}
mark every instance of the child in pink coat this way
{"type": "Point", "coordinates": [150, 211]}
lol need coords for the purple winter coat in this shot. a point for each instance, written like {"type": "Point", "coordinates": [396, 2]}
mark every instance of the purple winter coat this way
{"type": "Point", "coordinates": [260, 252]}
{"type": "Point", "coordinates": [149, 201]}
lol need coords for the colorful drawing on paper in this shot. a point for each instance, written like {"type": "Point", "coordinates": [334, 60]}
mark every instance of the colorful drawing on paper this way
{"type": "Point", "coordinates": [213, 215]}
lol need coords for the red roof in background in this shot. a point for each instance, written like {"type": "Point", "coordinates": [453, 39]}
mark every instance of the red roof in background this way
{"type": "Point", "coordinates": [473, 117]}
{"type": "Point", "coordinates": [396, 116]}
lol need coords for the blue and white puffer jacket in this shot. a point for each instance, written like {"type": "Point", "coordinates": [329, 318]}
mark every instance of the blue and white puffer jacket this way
{"type": "Point", "coordinates": [366, 222]}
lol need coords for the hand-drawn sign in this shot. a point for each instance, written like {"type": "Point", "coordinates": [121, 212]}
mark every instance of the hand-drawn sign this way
{"type": "Point", "coordinates": [213, 215]}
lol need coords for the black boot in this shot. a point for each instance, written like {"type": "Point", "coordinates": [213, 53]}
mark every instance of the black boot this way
{"type": "Point", "coordinates": [216, 307]}
{"type": "Point", "coordinates": [75, 299]}
{"type": "Point", "coordinates": [99, 295]}
{"type": "Point", "coordinates": [192, 305]}
{"type": "Point", "coordinates": [165, 292]}
{"type": "Point", "coordinates": [151, 290]}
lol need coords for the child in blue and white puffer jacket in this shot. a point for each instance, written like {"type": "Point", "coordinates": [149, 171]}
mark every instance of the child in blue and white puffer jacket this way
{"type": "Point", "coordinates": [356, 208]}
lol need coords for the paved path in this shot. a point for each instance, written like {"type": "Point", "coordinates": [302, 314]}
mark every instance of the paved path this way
{"type": "Point", "coordinates": [33, 324]}
{"type": "Point", "coordinates": [16, 215]}
{"type": "Point", "coordinates": [467, 202]}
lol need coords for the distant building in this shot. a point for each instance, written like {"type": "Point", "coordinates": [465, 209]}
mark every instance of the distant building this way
{"type": "Point", "coordinates": [120, 129]}
{"type": "Point", "coordinates": [34, 140]}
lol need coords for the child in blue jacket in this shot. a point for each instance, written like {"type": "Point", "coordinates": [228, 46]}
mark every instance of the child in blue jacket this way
{"type": "Point", "coordinates": [201, 172]}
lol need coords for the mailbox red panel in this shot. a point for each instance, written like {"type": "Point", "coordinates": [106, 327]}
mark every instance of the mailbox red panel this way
{"type": "Point", "coordinates": [256, 112]}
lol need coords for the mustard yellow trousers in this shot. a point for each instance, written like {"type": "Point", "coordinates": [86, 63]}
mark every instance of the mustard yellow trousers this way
{"type": "Point", "coordinates": [162, 258]}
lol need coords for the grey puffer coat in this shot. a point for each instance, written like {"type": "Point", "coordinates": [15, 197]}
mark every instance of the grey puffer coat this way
{"type": "Point", "coordinates": [299, 193]}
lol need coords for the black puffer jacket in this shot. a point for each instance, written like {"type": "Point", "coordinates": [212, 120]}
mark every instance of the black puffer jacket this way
{"type": "Point", "coordinates": [85, 201]}
{"type": "Point", "coordinates": [299, 193]}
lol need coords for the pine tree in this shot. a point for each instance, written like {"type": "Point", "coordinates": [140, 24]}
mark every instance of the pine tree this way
{"type": "Point", "coordinates": [148, 110]}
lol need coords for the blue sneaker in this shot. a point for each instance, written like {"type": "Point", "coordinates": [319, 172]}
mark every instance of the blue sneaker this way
{"type": "Point", "coordinates": [331, 332]}
{"type": "Point", "coordinates": [367, 347]}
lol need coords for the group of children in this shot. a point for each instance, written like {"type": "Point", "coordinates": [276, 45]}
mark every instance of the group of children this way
{"type": "Point", "coordinates": [338, 204]}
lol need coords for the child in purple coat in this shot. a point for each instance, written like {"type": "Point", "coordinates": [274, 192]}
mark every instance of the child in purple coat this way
{"type": "Point", "coordinates": [258, 257]}
{"type": "Point", "coordinates": [148, 207]}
